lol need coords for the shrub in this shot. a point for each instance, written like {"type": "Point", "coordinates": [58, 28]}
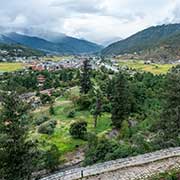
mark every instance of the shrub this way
{"type": "Point", "coordinates": [98, 152]}
{"type": "Point", "coordinates": [83, 102]}
{"type": "Point", "coordinates": [51, 110]}
{"type": "Point", "coordinates": [47, 127]}
{"type": "Point", "coordinates": [78, 129]}
{"type": "Point", "coordinates": [41, 120]}
{"type": "Point", "coordinates": [71, 114]}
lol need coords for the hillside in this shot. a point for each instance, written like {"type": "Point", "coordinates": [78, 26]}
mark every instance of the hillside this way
{"type": "Point", "coordinates": [15, 50]}
{"type": "Point", "coordinates": [52, 44]}
{"type": "Point", "coordinates": [153, 37]}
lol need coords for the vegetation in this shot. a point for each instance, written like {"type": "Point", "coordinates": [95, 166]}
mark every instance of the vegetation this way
{"type": "Point", "coordinates": [157, 43]}
{"type": "Point", "coordinates": [9, 67]}
{"type": "Point", "coordinates": [78, 129]}
{"type": "Point", "coordinates": [15, 50]}
{"type": "Point", "coordinates": [170, 175]}
{"type": "Point", "coordinates": [120, 100]}
{"type": "Point", "coordinates": [17, 151]}
{"type": "Point", "coordinates": [85, 78]}
{"type": "Point", "coordinates": [141, 66]}
{"type": "Point", "coordinates": [121, 114]}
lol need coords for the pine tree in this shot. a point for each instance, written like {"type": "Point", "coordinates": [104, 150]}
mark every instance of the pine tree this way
{"type": "Point", "coordinates": [16, 151]}
{"type": "Point", "coordinates": [120, 100]}
{"type": "Point", "coordinates": [170, 118]}
{"type": "Point", "coordinates": [85, 81]}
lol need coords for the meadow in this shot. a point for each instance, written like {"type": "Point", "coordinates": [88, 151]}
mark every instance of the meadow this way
{"type": "Point", "coordinates": [141, 66]}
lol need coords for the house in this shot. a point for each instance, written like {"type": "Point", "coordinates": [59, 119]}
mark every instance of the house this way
{"type": "Point", "coordinates": [41, 79]}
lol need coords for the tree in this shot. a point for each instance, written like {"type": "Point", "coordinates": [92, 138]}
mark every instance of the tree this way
{"type": "Point", "coordinates": [170, 118]}
{"type": "Point", "coordinates": [52, 158]}
{"type": "Point", "coordinates": [97, 107]}
{"type": "Point", "coordinates": [78, 129]}
{"type": "Point", "coordinates": [85, 81]}
{"type": "Point", "coordinates": [120, 100]}
{"type": "Point", "coordinates": [17, 151]}
{"type": "Point", "coordinates": [51, 110]}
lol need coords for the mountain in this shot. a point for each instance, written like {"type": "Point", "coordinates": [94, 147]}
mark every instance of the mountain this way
{"type": "Point", "coordinates": [109, 41]}
{"type": "Point", "coordinates": [153, 37]}
{"type": "Point", "coordinates": [40, 44]}
{"type": "Point", "coordinates": [6, 40]}
{"type": "Point", "coordinates": [51, 42]}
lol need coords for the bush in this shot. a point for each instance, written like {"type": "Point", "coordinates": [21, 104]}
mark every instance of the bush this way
{"type": "Point", "coordinates": [78, 130]}
{"type": "Point", "coordinates": [98, 152]}
{"type": "Point", "coordinates": [51, 110]}
{"type": "Point", "coordinates": [47, 127]}
{"type": "Point", "coordinates": [41, 120]}
{"type": "Point", "coordinates": [83, 102]}
{"type": "Point", "coordinates": [71, 114]}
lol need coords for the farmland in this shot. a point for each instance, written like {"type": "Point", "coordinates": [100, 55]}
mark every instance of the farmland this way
{"type": "Point", "coordinates": [8, 67]}
{"type": "Point", "coordinates": [141, 66]}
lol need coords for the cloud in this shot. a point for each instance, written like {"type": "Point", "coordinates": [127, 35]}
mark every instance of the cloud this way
{"type": "Point", "coordinates": [95, 20]}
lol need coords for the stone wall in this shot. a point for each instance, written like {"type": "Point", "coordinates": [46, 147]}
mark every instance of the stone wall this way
{"type": "Point", "coordinates": [110, 168]}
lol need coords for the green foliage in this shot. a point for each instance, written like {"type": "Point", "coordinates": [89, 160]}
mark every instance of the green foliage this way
{"type": "Point", "coordinates": [45, 98]}
{"type": "Point", "coordinates": [103, 149]}
{"type": "Point", "coordinates": [41, 120]}
{"type": "Point", "coordinates": [71, 114]}
{"type": "Point", "coordinates": [51, 110]}
{"type": "Point", "coordinates": [83, 102]}
{"type": "Point", "coordinates": [169, 124]}
{"type": "Point", "coordinates": [17, 151]}
{"type": "Point", "coordinates": [47, 127]}
{"type": "Point", "coordinates": [85, 81]}
{"type": "Point", "coordinates": [145, 40]}
{"type": "Point", "coordinates": [120, 100]}
{"type": "Point", "coordinates": [78, 129]}
{"type": "Point", "coordinates": [52, 158]}
{"type": "Point", "coordinates": [170, 175]}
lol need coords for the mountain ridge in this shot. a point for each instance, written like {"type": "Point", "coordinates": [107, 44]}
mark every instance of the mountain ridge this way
{"type": "Point", "coordinates": [152, 37]}
{"type": "Point", "coordinates": [62, 45]}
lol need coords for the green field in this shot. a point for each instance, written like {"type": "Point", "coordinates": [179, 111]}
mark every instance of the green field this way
{"type": "Point", "coordinates": [8, 67]}
{"type": "Point", "coordinates": [139, 65]}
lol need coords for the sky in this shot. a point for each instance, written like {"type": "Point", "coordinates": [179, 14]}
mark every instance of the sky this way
{"type": "Point", "coordinates": [94, 20]}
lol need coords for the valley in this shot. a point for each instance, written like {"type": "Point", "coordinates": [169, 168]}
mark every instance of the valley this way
{"type": "Point", "coordinates": [73, 104]}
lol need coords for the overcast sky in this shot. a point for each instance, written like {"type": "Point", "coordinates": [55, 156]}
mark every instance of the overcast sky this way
{"type": "Point", "coordinates": [95, 20]}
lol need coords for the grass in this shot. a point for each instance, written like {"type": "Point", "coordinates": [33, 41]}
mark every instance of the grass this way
{"type": "Point", "coordinates": [8, 67]}
{"type": "Point", "coordinates": [61, 137]}
{"type": "Point", "coordinates": [139, 65]}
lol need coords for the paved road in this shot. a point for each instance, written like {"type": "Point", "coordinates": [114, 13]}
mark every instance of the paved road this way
{"type": "Point", "coordinates": [132, 168]}
{"type": "Point", "coordinates": [139, 172]}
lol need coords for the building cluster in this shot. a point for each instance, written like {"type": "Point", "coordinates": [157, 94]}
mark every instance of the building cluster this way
{"type": "Point", "coordinates": [54, 66]}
